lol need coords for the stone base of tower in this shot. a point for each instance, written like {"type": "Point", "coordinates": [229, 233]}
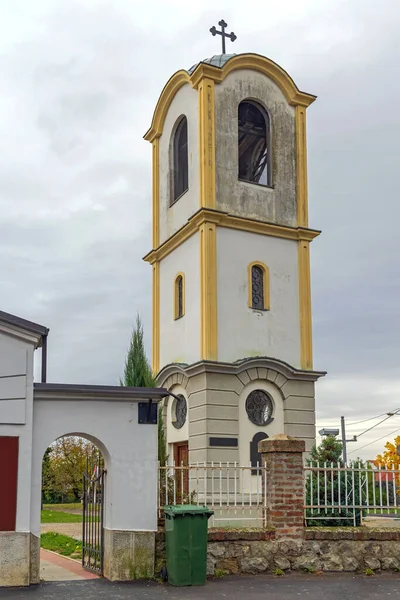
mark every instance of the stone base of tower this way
{"type": "Point", "coordinates": [220, 427]}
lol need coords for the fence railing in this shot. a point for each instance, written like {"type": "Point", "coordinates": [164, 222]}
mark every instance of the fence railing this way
{"type": "Point", "coordinates": [334, 492]}
{"type": "Point", "coordinates": [236, 494]}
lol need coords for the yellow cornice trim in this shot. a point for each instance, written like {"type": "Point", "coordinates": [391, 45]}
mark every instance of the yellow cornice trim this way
{"type": "Point", "coordinates": [176, 295]}
{"type": "Point", "coordinates": [171, 244]}
{"type": "Point", "coordinates": [266, 291]}
{"type": "Point", "coordinates": [231, 222]}
{"type": "Point", "coordinates": [306, 358]}
{"type": "Point", "coordinates": [255, 62]}
{"type": "Point", "coordinates": [156, 318]}
{"type": "Point", "coordinates": [172, 86]}
{"type": "Point", "coordinates": [207, 143]}
{"type": "Point", "coordinates": [208, 292]}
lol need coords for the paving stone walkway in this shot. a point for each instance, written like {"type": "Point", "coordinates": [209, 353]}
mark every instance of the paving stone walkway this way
{"type": "Point", "coordinates": [54, 567]}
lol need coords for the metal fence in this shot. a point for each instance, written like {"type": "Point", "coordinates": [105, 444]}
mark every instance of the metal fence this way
{"type": "Point", "coordinates": [334, 492]}
{"type": "Point", "coordinates": [236, 494]}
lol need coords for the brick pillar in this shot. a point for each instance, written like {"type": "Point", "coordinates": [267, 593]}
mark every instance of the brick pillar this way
{"type": "Point", "coordinates": [283, 457]}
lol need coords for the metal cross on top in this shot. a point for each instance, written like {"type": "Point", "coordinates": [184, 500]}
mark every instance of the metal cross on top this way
{"type": "Point", "coordinates": [224, 35]}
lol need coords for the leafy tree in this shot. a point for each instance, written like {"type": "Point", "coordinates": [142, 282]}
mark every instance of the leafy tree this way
{"type": "Point", "coordinates": [389, 459]}
{"type": "Point", "coordinates": [68, 462]}
{"type": "Point", "coordinates": [63, 464]}
{"type": "Point", "coordinates": [138, 373]}
{"type": "Point", "coordinates": [332, 487]}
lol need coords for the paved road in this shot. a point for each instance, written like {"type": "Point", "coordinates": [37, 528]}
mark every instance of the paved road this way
{"type": "Point", "coordinates": [289, 587]}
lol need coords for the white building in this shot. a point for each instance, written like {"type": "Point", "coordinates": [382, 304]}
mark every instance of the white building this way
{"type": "Point", "coordinates": [232, 324]}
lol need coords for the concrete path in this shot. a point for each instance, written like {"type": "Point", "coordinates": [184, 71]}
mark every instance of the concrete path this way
{"type": "Point", "coordinates": [310, 587]}
{"type": "Point", "coordinates": [54, 567]}
{"type": "Point", "coordinates": [73, 530]}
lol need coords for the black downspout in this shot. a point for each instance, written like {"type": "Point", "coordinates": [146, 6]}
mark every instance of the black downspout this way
{"type": "Point", "coordinates": [44, 358]}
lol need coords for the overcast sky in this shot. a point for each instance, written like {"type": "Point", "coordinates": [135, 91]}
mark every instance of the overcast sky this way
{"type": "Point", "coordinates": [79, 82]}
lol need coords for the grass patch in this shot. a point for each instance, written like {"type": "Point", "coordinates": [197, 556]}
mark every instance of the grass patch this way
{"type": "Point", "coordinates": [62, 544]}
{"type": "Point", "coordinates": [64, 507]}
{"type": "Point", "coordinates": [56, 516]}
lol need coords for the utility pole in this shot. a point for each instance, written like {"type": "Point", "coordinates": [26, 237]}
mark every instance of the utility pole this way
{"type": "Point", "coordinates": [344, 440]}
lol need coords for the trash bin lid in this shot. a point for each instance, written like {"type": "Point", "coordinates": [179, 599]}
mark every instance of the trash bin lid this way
{"type": "Point", "coordinates": [178, 510]}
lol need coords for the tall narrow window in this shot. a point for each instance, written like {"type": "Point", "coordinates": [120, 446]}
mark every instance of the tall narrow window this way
{"type": "Point", "coordinates": [254, 147]}
{"type": "Point", "coordinates": [180, 151]}
{"type": "Point", "coordinates": [258, 286]}
{"type": "Point", "coordinates": [179, 293]}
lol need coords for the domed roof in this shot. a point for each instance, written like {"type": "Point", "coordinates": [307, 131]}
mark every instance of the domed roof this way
{"type": "Point", "coordinates": [218, 60]}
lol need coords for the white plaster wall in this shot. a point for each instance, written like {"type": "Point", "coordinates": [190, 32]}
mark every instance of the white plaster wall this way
{"type": "Point", "coordinates": [247, 429]}
{"type": "Point", "coordinates": [174, 217]}
{"type": "Point", "coordinates": [243, 332]}
{"type": "Point", "coordinates": [16, 399]}
{"type": "Point", "coordinates": [129, 449]}
{"type": "Point", "coordinates": [277, 203]}
{"type": "Point", "coordinates": [180, 339]}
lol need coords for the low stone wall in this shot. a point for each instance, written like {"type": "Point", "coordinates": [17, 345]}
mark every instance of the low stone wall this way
{"type": "Point", "coordinates": [324, 549]}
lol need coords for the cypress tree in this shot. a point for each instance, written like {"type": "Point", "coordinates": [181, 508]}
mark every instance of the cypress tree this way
{"type": "Point", "coordinates": [138, 373]}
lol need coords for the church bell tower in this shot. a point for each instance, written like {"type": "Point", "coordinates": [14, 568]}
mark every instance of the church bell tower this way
{"type": "Point", "coordinates": [232, 331]}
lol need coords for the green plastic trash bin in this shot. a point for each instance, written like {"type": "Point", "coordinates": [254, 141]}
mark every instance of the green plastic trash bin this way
{"type": "Point", "coordinates": [186, 529]}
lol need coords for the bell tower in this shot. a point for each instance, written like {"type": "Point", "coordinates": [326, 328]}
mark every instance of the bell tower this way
{"type": "Point", "coordinates": [232, 323]}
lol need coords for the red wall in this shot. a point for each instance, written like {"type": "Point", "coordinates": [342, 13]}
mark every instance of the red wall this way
{"type": "Point", "coordinates": [8, 482]}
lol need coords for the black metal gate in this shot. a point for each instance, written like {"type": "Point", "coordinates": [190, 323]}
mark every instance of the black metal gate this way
{"type": "Point", "coordinates": [93, 514]}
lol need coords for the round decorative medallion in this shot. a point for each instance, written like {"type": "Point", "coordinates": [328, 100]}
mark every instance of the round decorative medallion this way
{"type": "Point", "coordinates": [259, 408]}
{"type": "Point", "coordinates": [180, 410]}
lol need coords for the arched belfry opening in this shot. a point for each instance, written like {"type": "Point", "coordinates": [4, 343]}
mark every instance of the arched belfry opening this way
{"type": "Point", "coordinates": [180, 160]}
{"type": "Point", "coordinates": [254, 144]}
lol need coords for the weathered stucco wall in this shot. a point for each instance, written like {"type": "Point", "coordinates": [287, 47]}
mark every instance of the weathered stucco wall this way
{"type": "Point", "coordinates": [242, 331]}
{"type": "Point", "coordinates": [174, 217]}
{"type": "Point", "coordinates": [278, 203]}
{"type": "Point", "coordinates": [180, 338]}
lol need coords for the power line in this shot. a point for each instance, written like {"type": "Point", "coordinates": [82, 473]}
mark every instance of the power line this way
{"type": "Point", "coordinates": [372, 418]}
{"type": "Point", "coordinates": [378, 440]}
{"type": "Point", "coordinates": [376, 425]}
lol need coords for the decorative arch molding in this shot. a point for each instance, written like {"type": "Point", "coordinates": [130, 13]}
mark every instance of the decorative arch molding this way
{"type": "Point", "coordinates": [247, 370]}
{"type": "Point", "coordinates": [171, 375]}
{"type": "Point", "coordinates": [254, 62]}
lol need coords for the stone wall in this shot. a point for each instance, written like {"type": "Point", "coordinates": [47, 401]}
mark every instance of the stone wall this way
{"type": "Point", "coordinates": [323, 549]}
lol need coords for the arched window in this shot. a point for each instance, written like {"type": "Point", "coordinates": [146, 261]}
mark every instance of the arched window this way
{"type": "Point", "coordinates": [179, 293]}
{"type": "Point", "coordinates": [180, 160]}
{"type": "Point", "coordinates": [254, 147]}
{"type": "Point", "coordinates": [258, 286]}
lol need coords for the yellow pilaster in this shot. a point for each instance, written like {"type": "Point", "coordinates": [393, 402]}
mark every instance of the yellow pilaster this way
{"type": "Point", "coordinates": [306, 359]}
{"type": "Point", "coordinates": [207, 143]}
{"type": "Point", "coordinates": [156, 192]}
{"type": "Point", "coordinates": [301, 167]}
{"type": "Point", "coordinates": [208, 291]}
{"type": "Point", "coordinates": [156, 318]}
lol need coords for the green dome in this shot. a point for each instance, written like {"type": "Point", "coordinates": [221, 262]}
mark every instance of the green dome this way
{"type": "Point", "coordinates": [218, 60]}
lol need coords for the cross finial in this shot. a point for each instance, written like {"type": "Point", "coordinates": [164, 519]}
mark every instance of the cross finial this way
{"type": "Point", "coordinates": [224, 35]}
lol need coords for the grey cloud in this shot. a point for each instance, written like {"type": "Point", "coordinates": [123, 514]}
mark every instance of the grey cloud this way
{"type": "Point", "coordinates": [75, 178]}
